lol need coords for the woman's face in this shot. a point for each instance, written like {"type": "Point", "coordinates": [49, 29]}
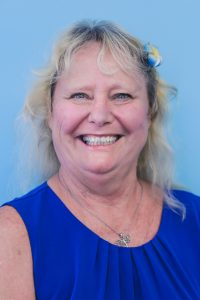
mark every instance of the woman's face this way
{"type": "Point", "coordinates": [99, 122]}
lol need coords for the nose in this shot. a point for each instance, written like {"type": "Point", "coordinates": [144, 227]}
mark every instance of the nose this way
{"type": "Point", "coordinates": [100, 112]}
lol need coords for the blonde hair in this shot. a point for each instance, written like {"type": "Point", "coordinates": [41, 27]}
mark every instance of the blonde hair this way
{"type": "Point", "coordinates": [155, 161]}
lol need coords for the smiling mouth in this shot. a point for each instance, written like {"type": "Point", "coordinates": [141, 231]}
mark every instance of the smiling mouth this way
{"type": "Point", "coordinates": [92, 140]}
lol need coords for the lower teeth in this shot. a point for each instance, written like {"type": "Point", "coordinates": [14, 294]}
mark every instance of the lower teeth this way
{"type": "Point", "coordinates": [99, 143]}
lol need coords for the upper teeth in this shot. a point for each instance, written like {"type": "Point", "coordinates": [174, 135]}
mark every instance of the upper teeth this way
{"type": "Point", "coordinates": [100, 140]}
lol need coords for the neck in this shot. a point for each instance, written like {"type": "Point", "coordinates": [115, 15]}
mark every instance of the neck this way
{"type": "Point", "coordinates": [109, 195]}
{"type": "Point", "coordinates": [127, 207]}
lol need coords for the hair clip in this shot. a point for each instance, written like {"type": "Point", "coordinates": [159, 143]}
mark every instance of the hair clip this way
{"type": "Point", "coordinates": [154, 59]}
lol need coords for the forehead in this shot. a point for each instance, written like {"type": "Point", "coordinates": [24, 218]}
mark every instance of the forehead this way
{"type": "Point", "coordinates": [93, 61]}
{"type": "Point", "coordinates": [95, 53]}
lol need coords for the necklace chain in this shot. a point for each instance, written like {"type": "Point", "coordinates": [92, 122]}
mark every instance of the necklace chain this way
{"type": "Point", "coordinates": [124, 238]}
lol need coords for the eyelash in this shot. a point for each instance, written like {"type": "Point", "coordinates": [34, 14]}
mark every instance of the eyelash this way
{"type": "Point", "coordinates": [79, 96]}
{"type": "Point", "coordinates": [122, 96]}
{"type": "Point", "coordinates": [119, 96]}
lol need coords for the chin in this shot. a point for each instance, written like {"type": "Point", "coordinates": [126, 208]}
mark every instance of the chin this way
{"type": "Point", "coordinates": [99, 169]}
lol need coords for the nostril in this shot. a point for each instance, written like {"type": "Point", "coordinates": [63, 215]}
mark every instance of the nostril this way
{"type": "Point", "coordinates": [100, 116]}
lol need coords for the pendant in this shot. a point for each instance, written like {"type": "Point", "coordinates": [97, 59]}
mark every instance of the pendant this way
{"type": "Point", "coordinates": [124, 240]}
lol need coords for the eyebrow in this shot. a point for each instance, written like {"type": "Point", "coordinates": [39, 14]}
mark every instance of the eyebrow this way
{"type": "Point", "coordinates": [134, 88]}
{"type": "Point", "coordinates": [79, 88]}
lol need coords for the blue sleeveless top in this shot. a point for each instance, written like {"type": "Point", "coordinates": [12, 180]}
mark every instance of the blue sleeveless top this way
{"type": "Point", "coordinates": [72, 262]}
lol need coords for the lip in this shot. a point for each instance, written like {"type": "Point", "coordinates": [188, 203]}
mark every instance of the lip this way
{"type": "Point", "coordinates": [80, 138]}
{"type": "Point", "coordinates": [99, 135]}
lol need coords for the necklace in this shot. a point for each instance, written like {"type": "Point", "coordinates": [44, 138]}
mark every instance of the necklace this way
{"type": "Point", "coordinates": [123, 238]}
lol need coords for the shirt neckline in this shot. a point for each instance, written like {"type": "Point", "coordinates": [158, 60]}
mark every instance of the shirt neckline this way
{"type": "Point", "coordinates": [148, 243]}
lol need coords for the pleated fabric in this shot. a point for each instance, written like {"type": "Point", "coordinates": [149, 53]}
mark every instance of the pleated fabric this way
{"type": "Point", "coordinates": [72, 262]}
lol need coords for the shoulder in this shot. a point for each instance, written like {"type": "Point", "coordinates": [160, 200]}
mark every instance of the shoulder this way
{"type": "Point", "coordinates": [12, 229]}
{"type": "Point", "coordinates": [25, 200]}
{"type": "Point", "coordinates": [191, 203]}
{"type": "Point", "coordinates": [15, 256]}
{"type": "Point", "coordinates": [13, 223]}
{"type": "Point", "coordinates": [26, 210]}
{"type": "Point", "coordinates": [185, 195]}
{"type": "Point", "coordinates": [10, 221]}
{"type": "Point", "coordinates": [187, 198]}
{"type": "Point", "coordinates": [35, 192]}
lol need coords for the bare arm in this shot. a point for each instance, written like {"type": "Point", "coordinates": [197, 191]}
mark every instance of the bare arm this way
{"type": "Point", "coordinates": [16, 275]}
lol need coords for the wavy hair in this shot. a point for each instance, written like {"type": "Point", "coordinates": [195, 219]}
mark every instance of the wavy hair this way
{"type": "Point", "coordinates": [155, 161]}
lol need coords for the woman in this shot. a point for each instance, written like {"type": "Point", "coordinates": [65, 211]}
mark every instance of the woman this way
{"type": "Point", "coordinates": [105, 223]}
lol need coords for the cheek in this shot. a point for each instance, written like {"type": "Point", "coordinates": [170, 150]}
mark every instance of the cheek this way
{"type": "Point", "coordinates": [137, 120]}
{"type": "Point", "coordinates": [144, 124]}
{"type": "Point", "coordinates": [140, 130]}
{"type": "Point", "coordinates": [64, 119]}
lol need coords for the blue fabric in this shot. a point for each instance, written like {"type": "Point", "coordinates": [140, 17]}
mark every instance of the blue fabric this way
{"type": "Point", "coordinates": [72, 262]}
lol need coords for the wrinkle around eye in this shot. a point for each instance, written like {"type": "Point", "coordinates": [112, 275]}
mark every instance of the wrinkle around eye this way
{"type": "Point", "coordinates": [121, 98]}
{"type": "Point", "coordinates": [78, 97]}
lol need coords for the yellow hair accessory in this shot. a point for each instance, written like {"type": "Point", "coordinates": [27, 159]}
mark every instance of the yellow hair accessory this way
{"type": "Point", "coordinates": [154, 58]}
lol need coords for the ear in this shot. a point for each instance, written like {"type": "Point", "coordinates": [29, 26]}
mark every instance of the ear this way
{"type": "Point", "coordinates": [149, 119]}
{"type": "Point", "coordinates": [49, 121]}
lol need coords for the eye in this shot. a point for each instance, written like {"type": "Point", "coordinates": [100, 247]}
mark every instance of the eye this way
{"type": "Point", "coordinates": [122, 96]}
{"type": "Point", "coordinates": [79, 96]}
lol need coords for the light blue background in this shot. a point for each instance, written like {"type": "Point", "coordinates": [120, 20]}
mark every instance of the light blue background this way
{"type": "Point", "coordinates": [28, 29]}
